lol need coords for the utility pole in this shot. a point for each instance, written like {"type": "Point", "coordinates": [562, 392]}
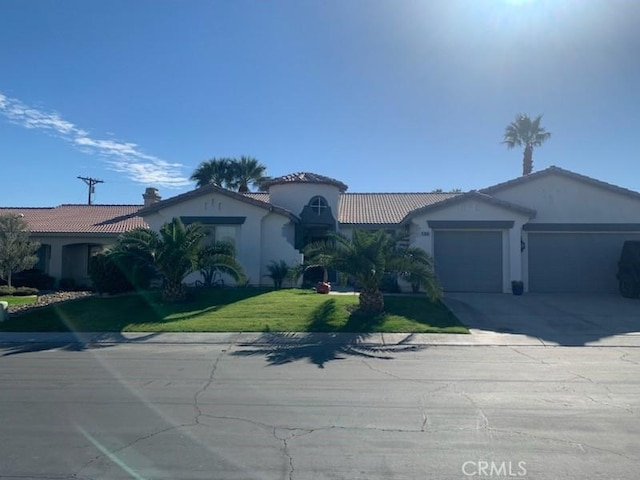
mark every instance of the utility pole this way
{"type": "Point", "coordinates": [91, 182]}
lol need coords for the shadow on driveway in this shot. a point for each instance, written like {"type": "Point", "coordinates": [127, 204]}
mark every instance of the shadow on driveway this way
{"type": "Point", "coordinates": [563, 319]}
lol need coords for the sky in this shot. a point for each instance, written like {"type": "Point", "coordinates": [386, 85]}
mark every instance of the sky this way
{"type": "Point", "coordinates": [386, 96]}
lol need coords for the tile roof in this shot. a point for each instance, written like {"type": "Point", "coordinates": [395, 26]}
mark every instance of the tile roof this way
{"type": "Point", "coordinates": [377, 208]}
{"type": "Point", "coordinates": [89, 219]}
{"type": "Point", "coordinates": [305, 177]}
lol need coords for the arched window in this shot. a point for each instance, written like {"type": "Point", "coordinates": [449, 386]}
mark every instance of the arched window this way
{"type": "Point", "coordinates": [318, 204]}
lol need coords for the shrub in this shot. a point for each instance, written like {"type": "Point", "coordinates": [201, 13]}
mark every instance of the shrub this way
{"type": "Point", "coordinates": [6, 290]}
{"type": "Point", "coordinates": [67, 284]}
{"type": "Point", "coordinates": [106, 276]}
{"type": "Point", "coordinates": [33, 278]}
{"type": "Point", "coordinates": [278, 271]}
{"type": "Point", "coordinates": [25, 291]}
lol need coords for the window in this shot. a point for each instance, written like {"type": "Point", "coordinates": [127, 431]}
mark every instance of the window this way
{"type": "Point", "coordinates": [221, 233]}
{"type": "Point", "coordinates": [318, 205]}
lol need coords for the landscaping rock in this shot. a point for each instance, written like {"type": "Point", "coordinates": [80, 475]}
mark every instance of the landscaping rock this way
{"type": "Point", "coordinates": [48, 299]}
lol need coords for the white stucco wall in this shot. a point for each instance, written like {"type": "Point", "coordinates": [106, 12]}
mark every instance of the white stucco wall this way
{"type": "Point", "coordinates": [294, 196]}
{"type": "Point", "coordinates": [263, 233]}
{"type": "Point", "coordinates": [421, 235]}
{"type": "Point", "coordinates": [76, 255]}
{"type": "Point", "coordinates": [560, 199]}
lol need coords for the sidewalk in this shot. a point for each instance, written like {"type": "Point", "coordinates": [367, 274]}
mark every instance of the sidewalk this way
{"type": "Point", "coordinates": [476, 338]}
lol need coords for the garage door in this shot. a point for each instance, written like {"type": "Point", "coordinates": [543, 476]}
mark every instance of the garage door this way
{"type": "Point", "coordinates": [575, 262]}
{"type": "Point", "coordinates": [469, 261]}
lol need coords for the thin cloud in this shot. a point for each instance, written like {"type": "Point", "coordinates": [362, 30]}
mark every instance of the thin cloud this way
{"type": "Point", "coordinates": [122, 157]}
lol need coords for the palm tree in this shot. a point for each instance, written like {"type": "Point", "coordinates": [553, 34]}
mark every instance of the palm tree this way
{"type": "Point", "coordinates": [215, 171]}
{"type": "Point", "coordinates": [527, 133]}
{"type": "Point", "coordinates": [278, 272]}
{"type": "Point", "coordinates": [246, 171]}
{"type": "Point", "coordinates": [219, 258]}
{"type": "Point", "coordinates": [173, 252]}
{"type": "Point", "coordinates": [367, 257]}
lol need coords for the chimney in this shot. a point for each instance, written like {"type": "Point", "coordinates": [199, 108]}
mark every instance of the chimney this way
{"type": "Point", "coordinates": [151, 196]}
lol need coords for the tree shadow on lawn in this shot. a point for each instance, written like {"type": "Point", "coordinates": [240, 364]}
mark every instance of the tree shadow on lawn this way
{"type": "Point", "coordinates": [67, 341]}
{"type": "Point", "coordinates": [323, 343]}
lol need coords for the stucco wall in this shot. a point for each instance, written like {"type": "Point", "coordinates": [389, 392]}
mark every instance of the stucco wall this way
{"type": "Point", "coordinates": [260, 236]}
{"type": "Point", "coordinates": [74, 262]}
{"type": "Point", "coordinates": [559, 199]}
{"type": "Point", "coordinates": [294, 196]}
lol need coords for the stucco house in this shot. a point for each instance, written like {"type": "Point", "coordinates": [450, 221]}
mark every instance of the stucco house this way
{"type": "Point", "coordinates": [556, 230]}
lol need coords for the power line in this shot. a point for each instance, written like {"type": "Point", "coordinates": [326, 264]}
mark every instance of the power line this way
{"type": "Point", "coordinates": [91, 182]}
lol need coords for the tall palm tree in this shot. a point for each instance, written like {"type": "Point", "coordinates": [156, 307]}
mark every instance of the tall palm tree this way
{"type": "Point", "coordinates": [246, 171]}
{"type": "Point", "coordinates": [215, 171]}
{"type": "Point", "coordinates": [173, 252]}
{"type": "Point", "coordinates": [367, 257]}
{"type": "Point", "coordinates": [527, 133]}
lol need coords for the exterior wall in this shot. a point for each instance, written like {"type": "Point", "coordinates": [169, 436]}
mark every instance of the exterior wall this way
{"type": "Point", "coordinates": [558, 199]}
{"type": "Point", "coordinates": [294, 196]}
{"type": "Point", "coordinates": [277, 240]}
{"type": "Point", "coordinates": [69, 256]}
{"type": "Point", "coordinates": [249, 252]}
{"type": "Point", "coordinates": [421, 234]}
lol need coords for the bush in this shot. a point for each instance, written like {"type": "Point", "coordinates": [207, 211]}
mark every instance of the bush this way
{"type": "Point", "coordinates": [25, 291]}
{"type": "Point", "coordinates": [6, 290]}
{"type": "Point", "coordinates": [111, 275]}
{"type": "Point", "coordinates": [67, 284]}
{"type": "Point", "coordinates": [33, 278]}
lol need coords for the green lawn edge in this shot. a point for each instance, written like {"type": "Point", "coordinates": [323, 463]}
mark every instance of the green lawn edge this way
{"type": "Point", "coordinates": [238, 310]}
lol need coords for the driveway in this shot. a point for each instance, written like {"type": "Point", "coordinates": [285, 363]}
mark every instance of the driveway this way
{"type": "Point", "coordinates": [564, 319]}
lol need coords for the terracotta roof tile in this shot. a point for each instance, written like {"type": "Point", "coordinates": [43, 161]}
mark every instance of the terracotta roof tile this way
{"type": "Point", "coordinates": [92, 219]}
{"type": "Point", "coordinates": [305, 177]}
{"type": "Point", "coordinates": [384, 208]}
{"type": "Point", "coordinates": [377, 208]}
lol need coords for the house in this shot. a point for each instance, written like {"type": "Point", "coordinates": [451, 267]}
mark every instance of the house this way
{"type": "Point", "coordinates": [556, 230]}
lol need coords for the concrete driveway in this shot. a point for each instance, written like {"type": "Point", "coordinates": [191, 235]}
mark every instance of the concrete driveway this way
{"type": "Point", "coordinates": [563, 319]}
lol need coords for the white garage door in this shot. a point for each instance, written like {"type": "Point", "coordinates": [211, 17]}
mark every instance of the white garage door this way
{"type": "Point", "coordinates": [468, 261]}
{"type": "Point", "coordinates": [575, 262]}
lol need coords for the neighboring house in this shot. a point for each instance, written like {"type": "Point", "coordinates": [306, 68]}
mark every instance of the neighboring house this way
{"type": "Point", "coordinates": [556, 230]}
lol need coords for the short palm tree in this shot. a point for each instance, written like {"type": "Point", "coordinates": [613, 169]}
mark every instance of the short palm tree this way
{"type": "Point", "coordinates": [367, 257]}
{"type": "Point", "coordinates": [219, 258]}
{"type": "Point", "coordinates": [278, 272]}
{"type": "Point", "coordinates": [527, 133]}
{"type": "Point", "coordinates": [245, 172]}
{"type": "Point", "coordinates": [173, 252]}
{"type": "Point", "coordinates": [215, 171]}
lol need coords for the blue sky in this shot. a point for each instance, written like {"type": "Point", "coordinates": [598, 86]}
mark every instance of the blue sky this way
{"type": "Point", "coordinates": [383, 95]}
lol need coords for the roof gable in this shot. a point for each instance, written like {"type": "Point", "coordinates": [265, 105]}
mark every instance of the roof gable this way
{"type": "Point", "coordinates": [465, 197]}
{"type": "Point", "coordinates": [553, 170]}
{"type": "Point", "coordinates": [250, 199]}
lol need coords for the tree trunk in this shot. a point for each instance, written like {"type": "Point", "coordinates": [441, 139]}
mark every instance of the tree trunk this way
{"type": "Point", "coordinates": [527, 161]}
{"type": "Point", "coordinates": [174, 292]}
{"type": "Point", "coordinates": [371, 300]}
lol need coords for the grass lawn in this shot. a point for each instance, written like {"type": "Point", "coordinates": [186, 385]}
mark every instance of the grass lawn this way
{"type": "Point", "coordinates": [19, 300]}
{"type": "Point", "coordinates": [238, 310]}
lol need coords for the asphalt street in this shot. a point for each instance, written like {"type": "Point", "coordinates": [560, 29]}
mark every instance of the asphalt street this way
{"type": "Point", "coordinates": [299, 410]}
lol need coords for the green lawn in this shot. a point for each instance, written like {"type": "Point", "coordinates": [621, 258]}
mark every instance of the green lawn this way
{"type": "Point", "coordinates": [19, 300]}
{"type": "Point", "coordinates": [238, 310]}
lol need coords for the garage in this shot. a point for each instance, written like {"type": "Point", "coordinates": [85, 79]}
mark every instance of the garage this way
{"type": "Point", "coordinates": [469, 261]}
{"type": "Point", "coordinates": [575, 262]}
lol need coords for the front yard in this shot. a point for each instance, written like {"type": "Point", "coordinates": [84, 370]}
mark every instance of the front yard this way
{"type": "Point", "coordinates": [237, 310]}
